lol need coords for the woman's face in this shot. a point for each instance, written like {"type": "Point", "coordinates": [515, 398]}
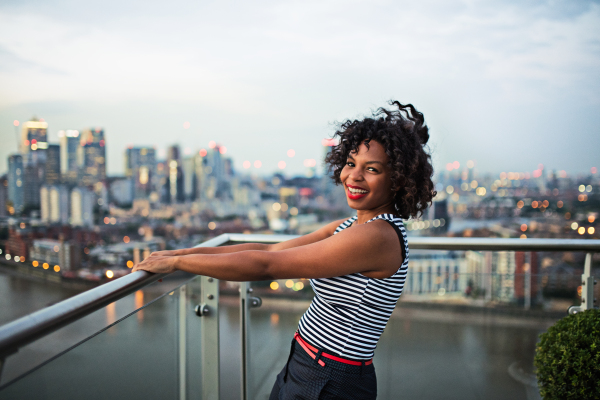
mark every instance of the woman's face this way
{"type": "Point", "coordinates": [366, 178]}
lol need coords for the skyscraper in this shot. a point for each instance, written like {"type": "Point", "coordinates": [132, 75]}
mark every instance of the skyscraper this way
{"type": "Point", "coordinates": [140, 166]}
{"type": "Point", "coordinates": [52, 169]}
{"type": "Point", "coordinates": [15, 184]}
{"type": "Point", "coordinates": [82, 201]}
{"type": "Point", "coordinates": [34, 136]}
{"type": "Point", "coordinates": [94, 156]}
{"type": "Point", "coordinates": [175, 183]}
{"type": "Point", "coordinates": [71, 155]}
{"type": "Point", "coordinates": [33, 146]}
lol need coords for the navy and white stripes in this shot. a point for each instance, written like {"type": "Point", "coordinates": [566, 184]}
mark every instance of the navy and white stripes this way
{"type": "Point", "coordinates": [348, 313]}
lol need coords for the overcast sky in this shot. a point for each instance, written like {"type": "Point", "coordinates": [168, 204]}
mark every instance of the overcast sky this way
{"type": "Point", "coordinates": [508, 84]}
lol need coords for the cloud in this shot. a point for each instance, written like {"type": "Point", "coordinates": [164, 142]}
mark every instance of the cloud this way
{"type": "Point", "coordinates": [283, 68]}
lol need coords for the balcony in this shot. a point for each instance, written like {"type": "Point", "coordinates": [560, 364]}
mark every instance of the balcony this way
{"type": "Point", "coordinates": [191, 337]}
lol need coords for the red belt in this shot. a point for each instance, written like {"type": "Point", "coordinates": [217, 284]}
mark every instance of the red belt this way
{"type": "Point", "coordinates": [311, 350]}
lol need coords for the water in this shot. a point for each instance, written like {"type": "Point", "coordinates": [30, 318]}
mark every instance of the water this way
{"type": "Point", "coordinates": [423, 354]}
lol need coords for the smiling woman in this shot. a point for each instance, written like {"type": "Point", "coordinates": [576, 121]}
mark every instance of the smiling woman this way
{"type": "Point", "coordinates": [357, 267]}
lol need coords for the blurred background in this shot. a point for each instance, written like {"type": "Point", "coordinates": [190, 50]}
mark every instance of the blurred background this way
{"type": "Point", "coordinates": [130, 127]}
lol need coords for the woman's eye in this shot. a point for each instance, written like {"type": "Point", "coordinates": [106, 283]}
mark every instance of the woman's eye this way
{"type": "Point", "coordinates": [350, 163]}
{"type": "Point", "coordinates": [372, 169]}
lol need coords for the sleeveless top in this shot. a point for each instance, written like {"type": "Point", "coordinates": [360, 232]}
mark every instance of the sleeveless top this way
{"type": "Point", "coordinates": [348, 313]}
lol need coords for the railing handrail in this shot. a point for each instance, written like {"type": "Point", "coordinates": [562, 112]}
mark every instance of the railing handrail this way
{"type": "Point", "coordinates": [29, 328]}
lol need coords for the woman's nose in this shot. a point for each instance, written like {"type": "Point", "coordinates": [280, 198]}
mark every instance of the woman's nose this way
{"type": "Point", "coordinates": [356, 174]}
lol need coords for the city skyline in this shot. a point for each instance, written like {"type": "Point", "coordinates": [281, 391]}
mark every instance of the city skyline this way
{"type": "Point", "coordinates": [510, 86]}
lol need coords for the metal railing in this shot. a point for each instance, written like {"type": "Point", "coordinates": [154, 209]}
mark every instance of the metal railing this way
{"type": "Point", "coordinates": [19, 333]}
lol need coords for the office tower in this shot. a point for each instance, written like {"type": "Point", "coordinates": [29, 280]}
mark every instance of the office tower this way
{"type": "Point", "coordinates": [71, 155]}
{"type": "Point", "coordinates": [189, 178]}
{"type": "Point", "coordinates": [82, 201]}
{"type": "Point", "coordinates": [52, 169]}
{"type": "Point", "coordinates": [3, 195]}
{"type": "Point", "coordinates": [94, 156]}
{"type": "Point", "coordinates": [140, 166]}
{"type": "Point", "coordinates": [176, 183]}
{"type": "Point", "coordinates": [34, 136]}
{"type": "Point", "coordinates": [15, 184]}
{"type": "Point", "coordinates": [54, 204]}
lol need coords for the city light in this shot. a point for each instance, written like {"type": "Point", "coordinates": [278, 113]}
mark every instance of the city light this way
{"type": "Point", "coordinates": [212, 225]}
{"type": "Point", "coordinates": [109, 274]}
{"type": "Point", "coordinates": [56, 268]}
{"type": "Point", "coordinates": [588, 188]}
{"type": "Point", "coordinates": [274, 285]}
{"type": "Point", "coordinates": [593, 170]}
{"type": "Point", "coordinates": [276, 206]}
{"type": "Point", "coordinates": [582, 188]}
{"type": "Point", "coordinates": [591, 218]}
{"type": "Point", "coordinates": [523, 236]}
{"type": "Point", "coordinates": [281, 164]}
{"type": "Point", "coordinates": [581, 230]}
{"type": "Point", "coordinates": [470, 164]}
{"type": "Point", "coordinates": [310, 162]}
{"type": "Point", "coordinates": [574, 226]}
{"type": "Point", "coordinates": [186, 125]}
{"type": "Point", "coordinates": [222, 149]}
{"type": "Point", "coordinates": [17, 258]}
{"type": "Point", "coordinates": [520, 204]}
{"type": "Point", "coordinates": [203, 152]}
{"type": "Point", "coordinates": [456, 165]}
{"type": "Point", "coordinates": [129, 264]}
{"type": "Point", "coordinates": [559, 204]}
{"type": "Point", "coordinates": [591, 230]}
{"type": "Point", "coordinates": [289, 283]}
{"type": "Point", "coordinates": [474, 184]}
{"type": "Point", "coordinates": [35, 263]}
{"type": "Point", "coordinates": [534, 204]}
{"type": "Point", "coordinates": [449, 189]}
{"type": "Point", "coordinates": [523, 227]}
{"type": "Point", "coordinates": [126, 239]}
{"type": "Point", "coordinates": [291, 153]}
{"type": "Point", "coordinates": [16, 122]}
{"type": "Point", "coordinates": [7, 256]}
{"type": "Point", "coordinates": [293, 211]}
{"type": "Point", "coordinates": [45, 265]}
{"type": "Point", "coordinates": [298, 286]}
{"type": "Point", "coordinates": [212, 144]}
{"type": "Point", "coordinates": [56, 249]}
{"type": "Point", "coordinates": [247, 164]}
{"type": "Point", "coordinates": [257, 164]}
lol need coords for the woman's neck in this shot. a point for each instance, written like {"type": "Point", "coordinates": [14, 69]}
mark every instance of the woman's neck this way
{"type": "Point", "coordinates": [366, 215]}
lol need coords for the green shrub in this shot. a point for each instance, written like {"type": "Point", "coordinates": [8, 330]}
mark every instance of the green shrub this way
{"type": "Point", "coordinates": [567, 358]}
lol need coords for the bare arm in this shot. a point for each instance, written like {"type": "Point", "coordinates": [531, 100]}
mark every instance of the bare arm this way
{"type": "Point", "coordinates": [372, 249]}
{"type": "Point", "coordinates": [315, 236]}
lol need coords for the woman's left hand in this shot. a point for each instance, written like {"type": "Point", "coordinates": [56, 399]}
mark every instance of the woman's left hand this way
{"type": "Point", "coordinates": [157, 264]}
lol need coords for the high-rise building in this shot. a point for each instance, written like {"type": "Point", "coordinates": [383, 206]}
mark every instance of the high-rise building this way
{"type": "Point", "coordinates": [176, 184]}
{"type": "Point", "coordinates": [54, 204]}
{"type": "Point", "coordinates": [34, 148]}
{"type": "Point", "coordinates": [15, 184]}
{"type": "Point", "coordinates": [140, 166]}
{"type": "Point", "coordinates": [82, 201]}
{"type": "Point", "coordinates": [3, 195]}
{"type": "Point", "coordinates": [71, 155]}
{"type": "Point", "coordinates": [94, 156]}
{"type": "Point", "coordinates": [52, 169]}
{"type": "Point", "coordinates": [34, 136]}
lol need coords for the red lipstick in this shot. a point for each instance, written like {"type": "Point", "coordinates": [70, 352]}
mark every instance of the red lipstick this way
{"type": "Point", "coordinates": [355, 196]}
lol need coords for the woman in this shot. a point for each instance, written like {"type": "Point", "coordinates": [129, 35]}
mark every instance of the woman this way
{"type": "Point", "coordinates": [357, 266]}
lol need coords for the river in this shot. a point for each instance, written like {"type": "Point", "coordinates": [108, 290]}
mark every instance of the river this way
{"type": "Point", "coordinates": [423, 354]}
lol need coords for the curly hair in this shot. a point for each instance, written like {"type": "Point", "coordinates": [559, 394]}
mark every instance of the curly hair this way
{"type": "Point", "coordinates": [403, 134]}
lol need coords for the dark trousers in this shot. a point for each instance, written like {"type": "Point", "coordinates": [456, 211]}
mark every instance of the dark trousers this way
{"type": "Point", "coordinates": [304, 378]}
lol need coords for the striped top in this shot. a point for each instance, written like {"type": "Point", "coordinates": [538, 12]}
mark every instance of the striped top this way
{"type": "Point", "coordinates": [348, 313]}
